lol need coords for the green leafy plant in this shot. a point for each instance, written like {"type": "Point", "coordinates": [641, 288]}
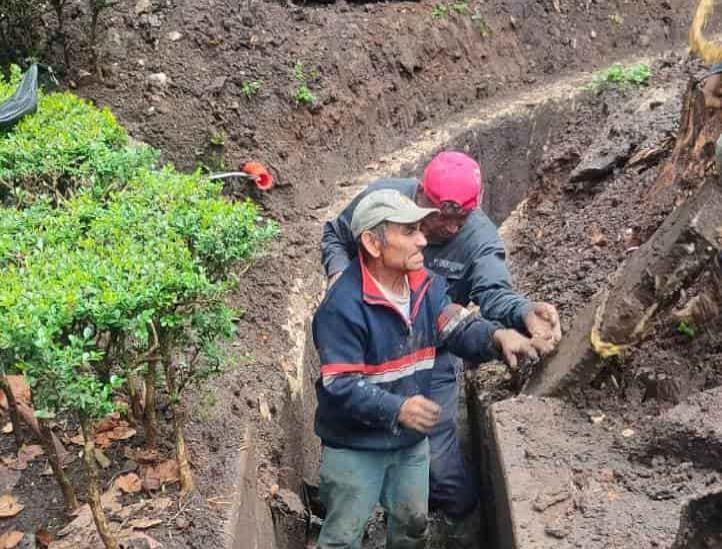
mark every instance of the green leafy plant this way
{"type": "Point", "coordinates": [298, 72]}
{"type": "Point", "coordinates": [461, 7]}
{"type": "Point", "coordinates": [686, 329]}
{"type": "Point", "coordinates": [114, 279]}
{"type": "Point", "coordinates": [620, 76]}
{"type": "Point", "coordinates": [66, 146]}
{"type": "Point", "coordinates": [249, 89]}
{"type": "Point", "coordinates": [303, 94]}
{"type": "Point", "coordinates": [440, 11]}
{"type": "Point", "coordinates": [217, 138]}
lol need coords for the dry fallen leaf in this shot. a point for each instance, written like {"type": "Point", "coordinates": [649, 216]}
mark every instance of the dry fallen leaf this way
{"type": "Point", "coordinates": [141, 455]}
{"type": "Point", "coordinates": [78, 439]}
{"type": "Point", "coordinates": [8, 428]}
{"type": "Point", "coordinates": [143, 523]}
{"type": "Point", "coordinates": [9, 506]}
{"type": "Point", "coordinates": [10, 539]}
{"type": "Point", "coordinates": [20, 389]}
{"type": "Point", "coordinates": [108, 423]}
{"type": "Point", "coordinates": [129, 484]}
{"type": "Point", "coordinates": [102, 440]}
{"type": "Point", "coordinates": [122, 432]}
{"type": "Point", "coordinates": [165, 472]}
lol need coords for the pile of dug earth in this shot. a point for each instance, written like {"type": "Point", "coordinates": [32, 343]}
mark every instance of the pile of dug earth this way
{"type": "Point", "coordinates": [616, 440]}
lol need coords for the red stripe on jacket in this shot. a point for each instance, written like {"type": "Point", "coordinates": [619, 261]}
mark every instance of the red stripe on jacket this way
{"type": "Point", "coordinates": [384, 367]}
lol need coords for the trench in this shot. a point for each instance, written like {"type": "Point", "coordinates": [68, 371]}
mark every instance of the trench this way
{"type": "Point", "coordinates": [510, 139]}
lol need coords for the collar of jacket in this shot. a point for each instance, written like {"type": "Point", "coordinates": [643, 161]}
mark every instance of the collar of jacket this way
{"type": "Point", "coordinates": [419, 282]}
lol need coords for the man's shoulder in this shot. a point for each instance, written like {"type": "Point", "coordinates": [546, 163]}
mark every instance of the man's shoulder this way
{"type": "Point", "coordinates": [478, 230]}
{"type": "Point", "coordinates": [478, 220]}
{"type": "Point", "coordinates": [343, 298]}
{"type": "Point", "coordinates": [406, 186]}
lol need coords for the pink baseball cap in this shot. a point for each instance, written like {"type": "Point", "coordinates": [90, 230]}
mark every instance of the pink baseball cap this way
{"type": "Point", "coordinates": [453, 177]}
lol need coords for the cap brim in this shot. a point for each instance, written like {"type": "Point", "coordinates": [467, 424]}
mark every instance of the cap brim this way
{"type": "Point", "coordinates": [412, 215]}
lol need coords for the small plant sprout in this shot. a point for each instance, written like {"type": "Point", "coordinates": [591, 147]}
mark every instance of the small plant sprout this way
{"type": "Point", "coordinates": [217, 138]}
{"type": "Point", "coordinates": [249, 89]}
{"type": "Point", "coordinates": [461, 7]}
{"type": "Point", "coordinates": [620, 76]}
{"type": "Point", "coordinates": [686, 329]}
{"type": "Point", "coordinates": [303, 94]}
{"type": "Point", "coordinates": [440, 11]}
{"type": "Point", "coordinates": [298, 73]}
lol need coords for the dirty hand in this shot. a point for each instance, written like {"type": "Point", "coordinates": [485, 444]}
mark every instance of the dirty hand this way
{"type": "Point", "coordinates": [419, 413]}
{"type": "Point", "coordinates": [542, 323]}
{"type": "Point", "coordinates": [514, 346]}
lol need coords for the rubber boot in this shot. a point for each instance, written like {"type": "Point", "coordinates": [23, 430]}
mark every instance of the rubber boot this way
{"type": "Point", "coordinates": [463, 532]}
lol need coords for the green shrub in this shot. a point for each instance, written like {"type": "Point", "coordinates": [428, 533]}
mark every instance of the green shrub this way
{"type": "Point", "coordinates": [66, 145]}
{"type": "Point", "coordinates": [113, 271]}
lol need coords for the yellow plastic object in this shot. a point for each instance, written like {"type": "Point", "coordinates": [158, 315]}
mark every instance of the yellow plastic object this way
{"type": "Point", "coordinates": [707, 51]}
{"type": "Point", "coordinates": [603, 348]}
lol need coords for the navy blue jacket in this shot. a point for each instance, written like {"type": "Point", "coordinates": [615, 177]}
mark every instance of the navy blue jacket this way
{"type": "Point", "coordinates": [372, 358]}
{"type": "Point", "coordinates": [473, 262]}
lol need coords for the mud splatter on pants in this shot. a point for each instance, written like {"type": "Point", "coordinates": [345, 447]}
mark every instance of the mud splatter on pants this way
{"type": "Point", "coordinates": [353, 482]}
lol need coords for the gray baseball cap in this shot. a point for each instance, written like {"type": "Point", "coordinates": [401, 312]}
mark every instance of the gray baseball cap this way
{"type": "Point", "coordinates": [386, 205]}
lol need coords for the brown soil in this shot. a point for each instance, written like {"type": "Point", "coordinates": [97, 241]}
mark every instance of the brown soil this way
{"type": "Point", "coordinates": [382, 74]}
{"type": "Point", "coordinates": [565, 243]}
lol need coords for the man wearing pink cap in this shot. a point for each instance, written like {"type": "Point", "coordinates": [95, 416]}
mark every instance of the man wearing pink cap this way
{"type": "Point", "coordinates": [463, 247]}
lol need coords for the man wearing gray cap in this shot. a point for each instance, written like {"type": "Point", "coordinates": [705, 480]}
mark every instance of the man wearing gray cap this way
{"type": "Point", "coordinates": [377, 332]}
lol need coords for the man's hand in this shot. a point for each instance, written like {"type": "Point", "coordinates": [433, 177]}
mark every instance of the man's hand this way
{"type": "Point", "coordinates": [542, 323]}
{"type": "Point", "coordinates": [419, 413]}
{"type": "Point", "coordinates": [514, 346]}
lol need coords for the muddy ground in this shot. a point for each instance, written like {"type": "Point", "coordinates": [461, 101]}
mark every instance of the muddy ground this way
{"type": "Point", "coordinates": [383, 74]}
{"type": "Point", "coordinates": [617, 458]}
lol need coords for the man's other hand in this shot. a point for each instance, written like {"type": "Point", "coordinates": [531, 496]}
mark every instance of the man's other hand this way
{"type": "Point", "coordinates": [419, 413]}
{"type": "Point", "coordinates": [542, 323]}
{"type": "Point", "coordinates": [515, 346]}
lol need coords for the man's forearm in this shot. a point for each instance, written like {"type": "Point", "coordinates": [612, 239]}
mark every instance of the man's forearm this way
{"type": "Point", "coordinates": [468, 335]}
{"type": "Point", "coordinates": [504, 306]}
{"type": "Point", "coordinates": [334, 250]}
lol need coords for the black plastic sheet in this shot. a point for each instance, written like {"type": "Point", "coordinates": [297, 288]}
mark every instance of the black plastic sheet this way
{"type": "Point", "coordinates": [24, 101]}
